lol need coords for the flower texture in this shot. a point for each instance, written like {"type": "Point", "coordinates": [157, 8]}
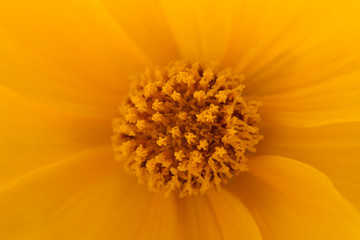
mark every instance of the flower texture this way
{"type": "Point", "coordinates": [156, 119]}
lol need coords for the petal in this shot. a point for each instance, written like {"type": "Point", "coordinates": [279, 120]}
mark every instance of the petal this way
{"type": "Point", "coordinates": [197, 219]}
{"type": "Point", "coordinates": [201, 28]}
{"type": "Point", "coordinates": [336, 100]}
{"type": "Point", "coordinates": [29, 203]}
{"type": "Point", "coordinates": [234, 218]}
{"type": "Point", "coordinates": [87, 196]}
{"type": "Point", "coordinates": [116, 208]}
{"type": "Point", "coordinates": [333, 149]}
{"type": "Point", "coordinates": [284, 45]}
{"type": "Point", "coordinates": [145, 23]}
{"type": "Point", "coordinates": [78, 52]}
{"type": "Point", "coordinates": [218, 215]}
{"type": "Point", "coordinates": [34, 76]}
{"type": "Point", "coordinates": [34, 134]}
{"type": "Point", "coordinates": [161, 218]}
{"type": "Point", "coordinates": [291, 200]}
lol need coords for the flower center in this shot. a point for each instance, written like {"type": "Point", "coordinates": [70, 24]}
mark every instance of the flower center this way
{"type": "Point", "coordinates": [186, 128]}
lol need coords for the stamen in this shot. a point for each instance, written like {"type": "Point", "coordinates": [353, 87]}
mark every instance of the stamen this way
{"type": "Point", "coordinates": [186, 128]}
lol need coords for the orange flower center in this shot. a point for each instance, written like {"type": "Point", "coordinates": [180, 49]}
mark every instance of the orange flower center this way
{"type": "Point", "coordinates": [186, 128]}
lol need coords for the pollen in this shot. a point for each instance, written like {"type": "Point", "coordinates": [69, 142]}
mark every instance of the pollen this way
{"type": "Point", "coordinates": [186, 128]}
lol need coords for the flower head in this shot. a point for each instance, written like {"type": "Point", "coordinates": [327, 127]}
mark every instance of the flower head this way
{"type": "Point", "coordinates": [186, 128]}
{"type": "Point", "coordinates": [262, 145]}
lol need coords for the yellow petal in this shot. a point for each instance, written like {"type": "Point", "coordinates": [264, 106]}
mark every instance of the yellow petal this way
{"type": "Point", "coordinates": [116, 207]}
{"type": "Point", "coordinates": [79, 37]}
{"type": "Point", "coordinates": [281, 46]}
{"type": "Point", "coordinates": [197, 219]}
{"type": "Point", "coordinates": [87, 196]}
{"type": "Point", "coordinates": [160, 218]}
{"type": "Point", "coordinates": [34, 76]}
{"type": "Point", "coordinates": [336, 100]}
{"type": "Point", "coordinates": [218, 215]}
{"type": "Point", "coordinates": [145, 23]}
{"type": "Point", "coordinates": [29, 203]}
{"type": "Point", "coordinates": [201, 28]}
{"type": "Point", "coordinates": [33, 134]}
{"type": "Point", "coordinates": [234, 218]}
{"type": "Point", "coordinates": [333, 149]}
{"type": "Point", "coordinates": [291, 200]}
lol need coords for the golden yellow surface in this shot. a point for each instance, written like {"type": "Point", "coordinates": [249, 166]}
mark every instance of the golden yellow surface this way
{"type": "Point", "coordinates": [64, 67]}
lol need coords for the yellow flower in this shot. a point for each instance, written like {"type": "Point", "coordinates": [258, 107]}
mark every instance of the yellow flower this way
{"type": "Point", "coordinates": [64, 73]}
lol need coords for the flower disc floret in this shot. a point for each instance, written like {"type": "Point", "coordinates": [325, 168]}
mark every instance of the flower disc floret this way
{"type": "Point", "coordinates": [186, 128]}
